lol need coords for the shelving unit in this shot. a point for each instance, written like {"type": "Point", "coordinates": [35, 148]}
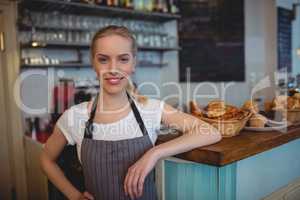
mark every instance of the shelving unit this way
{"type": "Point", "coordinates": [91, 9]}
{"type": "Point", "coordinates": [87, 46]}
{"type": "Point", "coordinates": [66, 32]}
{"type": "Point", "coordinates": [67, 65]}
{"type": "Point", "coordinates": [80, 65]}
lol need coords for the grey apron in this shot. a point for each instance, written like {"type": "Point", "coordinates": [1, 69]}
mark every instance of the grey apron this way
{"type": "Point", "coordinates": [105, 163]}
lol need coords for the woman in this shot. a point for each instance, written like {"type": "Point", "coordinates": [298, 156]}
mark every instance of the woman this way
{"type": "Point", "coordinates": [115, 145]}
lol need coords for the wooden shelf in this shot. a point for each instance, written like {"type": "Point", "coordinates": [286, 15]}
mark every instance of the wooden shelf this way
{"type": "Point", "coordinates": [143, 64]}
{"type": "Point", "coordinates": [159, 48]}
{"type": "Point", "coordinates": [58, 45]}
{"type": "Point", "coordinates": [72, 65]}
{"type": "Point", "coordinates": [24, 27]}
{"type": "Point", "coordinates": [86, 46]}
{"type": "Point", "coordinates": [91, 9]}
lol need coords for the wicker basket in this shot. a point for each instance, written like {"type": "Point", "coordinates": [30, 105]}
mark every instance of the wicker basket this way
{"type": "Point", "coordinates": [292, 116]}
{"type": "Point", "coordinates": [228, 128]}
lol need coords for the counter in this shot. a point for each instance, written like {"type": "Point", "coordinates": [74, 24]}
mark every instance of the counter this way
{"type": "Point", "coordinates": [249, 166]}
{"type": "Point", "coordinates": [233, 149]}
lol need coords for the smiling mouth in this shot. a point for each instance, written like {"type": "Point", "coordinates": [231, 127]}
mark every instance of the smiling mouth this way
{"type": "Point", "coordinates": [114, 80]}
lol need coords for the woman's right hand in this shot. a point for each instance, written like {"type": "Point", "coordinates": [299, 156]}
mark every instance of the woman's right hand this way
{"type": "Point", "coordinates": [52, 149]}
{"type": "Point", "coordinates": [85, 196]}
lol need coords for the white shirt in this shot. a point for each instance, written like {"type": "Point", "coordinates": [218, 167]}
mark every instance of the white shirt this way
{"type": "Point", "coordinates": [72, 124]}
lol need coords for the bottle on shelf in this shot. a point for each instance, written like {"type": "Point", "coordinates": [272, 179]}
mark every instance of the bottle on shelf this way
{"type": "Point", "coordinates": [129, 4]}
{"type": "Point", "coordinates": [126, 4]}
{"type": "Point", "coordinates": [164, 6]}
{"type": "Point", "coordinates": [44, 130]}
{"type": "Point", "coordinates": [88, 1]}
{"type": "Point", "coordinates": [116, 3]}
{"type": "Point", "coordinates": [100, 2]}
{"type": "Point", "coordinates": [160, 6]}
{"type": "Point", "coordinates": [156, 6]}
{"type": "Point", "coordinates": [138, 4]}
{"type": "Point", "coordinates": [112, 2]}
{"type": "Point", "coordinates": [148, 5]}
{"type": "Point", "coordinates": [172, 7]}
{"type": "Point", "coordinates": [28, 127]}
{"type": "Point", "coordinates": [34, 128]}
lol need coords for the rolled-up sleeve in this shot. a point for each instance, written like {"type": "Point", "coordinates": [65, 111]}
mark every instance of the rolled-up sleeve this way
{"type": "Point", "coordinates": [65, 124]}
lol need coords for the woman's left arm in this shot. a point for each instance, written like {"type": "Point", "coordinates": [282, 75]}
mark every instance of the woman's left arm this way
{"type": "Point", "coordinates": [196, 133]}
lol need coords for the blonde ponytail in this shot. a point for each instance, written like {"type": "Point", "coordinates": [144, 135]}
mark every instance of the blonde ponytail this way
{"type": "Point", "coordinates": [132, 90]}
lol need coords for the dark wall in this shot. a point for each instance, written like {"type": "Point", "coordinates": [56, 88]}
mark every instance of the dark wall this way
{"type": "Point", "coordinates": [284, 26]}
{"type": "Point", "coordinates": [211, 34]}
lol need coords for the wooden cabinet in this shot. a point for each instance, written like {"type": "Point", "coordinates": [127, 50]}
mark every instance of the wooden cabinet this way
{"type": "Point", "coordinates": [37, 182]}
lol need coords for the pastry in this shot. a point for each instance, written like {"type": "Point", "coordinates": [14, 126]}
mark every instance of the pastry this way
{"type": "Point", "coordinates": [194, 108]}
{"type": "Point", "coordinates": [251, 106]}
{"type": "Point", "coordinates": [280, 102]}
{"type": "Point", "coordinates": [268, 106]}
{"type": "Point", "coordinates": [292, 103]}
{"type": "Point", "coordinates": [258, 121]}
{"type": "Point", "coordinates": [297, 98]}
{"type": "Point", "coordinates": [296, 95]}
{"type": "Point", "coordinates": [218, 110]}
{"type": "Point", "coordinates": [233, 112]}
{"type": "Point", "coordinates": [215, 109]}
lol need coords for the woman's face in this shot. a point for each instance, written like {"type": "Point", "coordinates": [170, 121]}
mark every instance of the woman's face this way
{"type": "Point", "coordinates": [113, 62]}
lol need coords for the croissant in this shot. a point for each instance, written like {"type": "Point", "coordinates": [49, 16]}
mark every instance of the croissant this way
{"type": "Point", "coordinates": [216, 108]}
{"type": "Point", "coordinates": [251, 106]}
{"type": "Point", "coordinates": [194, 108]}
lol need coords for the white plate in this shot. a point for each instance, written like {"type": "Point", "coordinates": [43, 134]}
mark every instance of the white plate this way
{"type": "Point", "coordinates": [264, 129]}
{"type": "Point", "coordinates": [276, 123]}
{"type": "Point", "coordinates": [268, 128]}
{"type": "Point", "coordinates": [272, 125]}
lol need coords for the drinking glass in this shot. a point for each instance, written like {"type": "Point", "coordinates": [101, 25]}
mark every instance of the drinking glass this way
{"type": "Point", "coordinates": [69, 37]}
{"type": "Point", "coordinates": [61, 36]}
{"type": "Point", "coordinates": [84, 22]}
{"type": "Point", "coordinates": [70, 21]}
{"type": "Point", "coordinates": [55, 20]}
{"type": "Point", "coordinates": [46, 19]}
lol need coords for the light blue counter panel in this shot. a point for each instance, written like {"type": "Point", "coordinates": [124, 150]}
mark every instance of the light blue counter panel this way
{"type": "Point", "coordinates": [192, 181]}
{"type": "Point", "coordinates": [249, 179]}
{"type": "Point", "coordinates": [260, 175]}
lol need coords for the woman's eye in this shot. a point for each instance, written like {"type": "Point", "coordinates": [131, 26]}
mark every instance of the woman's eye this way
{"type": "Point", "coordinates": [102, 60]}
{"type": "Point", "coordinates": [124, 60]}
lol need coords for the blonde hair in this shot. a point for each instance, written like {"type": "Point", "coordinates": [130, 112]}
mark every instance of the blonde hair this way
{"type": "Point", "coordinates": [132, 90]}
{"type": "Point", "coordinates": [126, 33]}
{"type": "Point", "coordinates": [114, 30]}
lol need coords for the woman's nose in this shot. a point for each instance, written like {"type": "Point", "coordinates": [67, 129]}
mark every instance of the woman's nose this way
{"type": "Point", "coordinates": [113, 65]}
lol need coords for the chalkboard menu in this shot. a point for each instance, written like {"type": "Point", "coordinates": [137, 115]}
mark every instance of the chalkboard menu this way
{"type": "Point", "coordinates": [284, 35]}
{"type": "Point", "coordinates": [211, 34]}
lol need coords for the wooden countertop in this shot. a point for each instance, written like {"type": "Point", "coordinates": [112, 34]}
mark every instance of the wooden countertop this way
{"type": "Point", "coordinates": [229, 150]}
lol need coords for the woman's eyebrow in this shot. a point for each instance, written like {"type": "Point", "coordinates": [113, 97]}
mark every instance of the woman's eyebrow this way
{"type": "Point", "coordinates": [100, 54]}
{"type": "Point", "coordinates": [123, 54]}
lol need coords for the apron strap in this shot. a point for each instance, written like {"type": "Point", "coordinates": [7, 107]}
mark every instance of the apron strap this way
{"type": "Point", "coordinates": [137, 115]}
{"type": "Point", "coordinates": [88, 131]}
